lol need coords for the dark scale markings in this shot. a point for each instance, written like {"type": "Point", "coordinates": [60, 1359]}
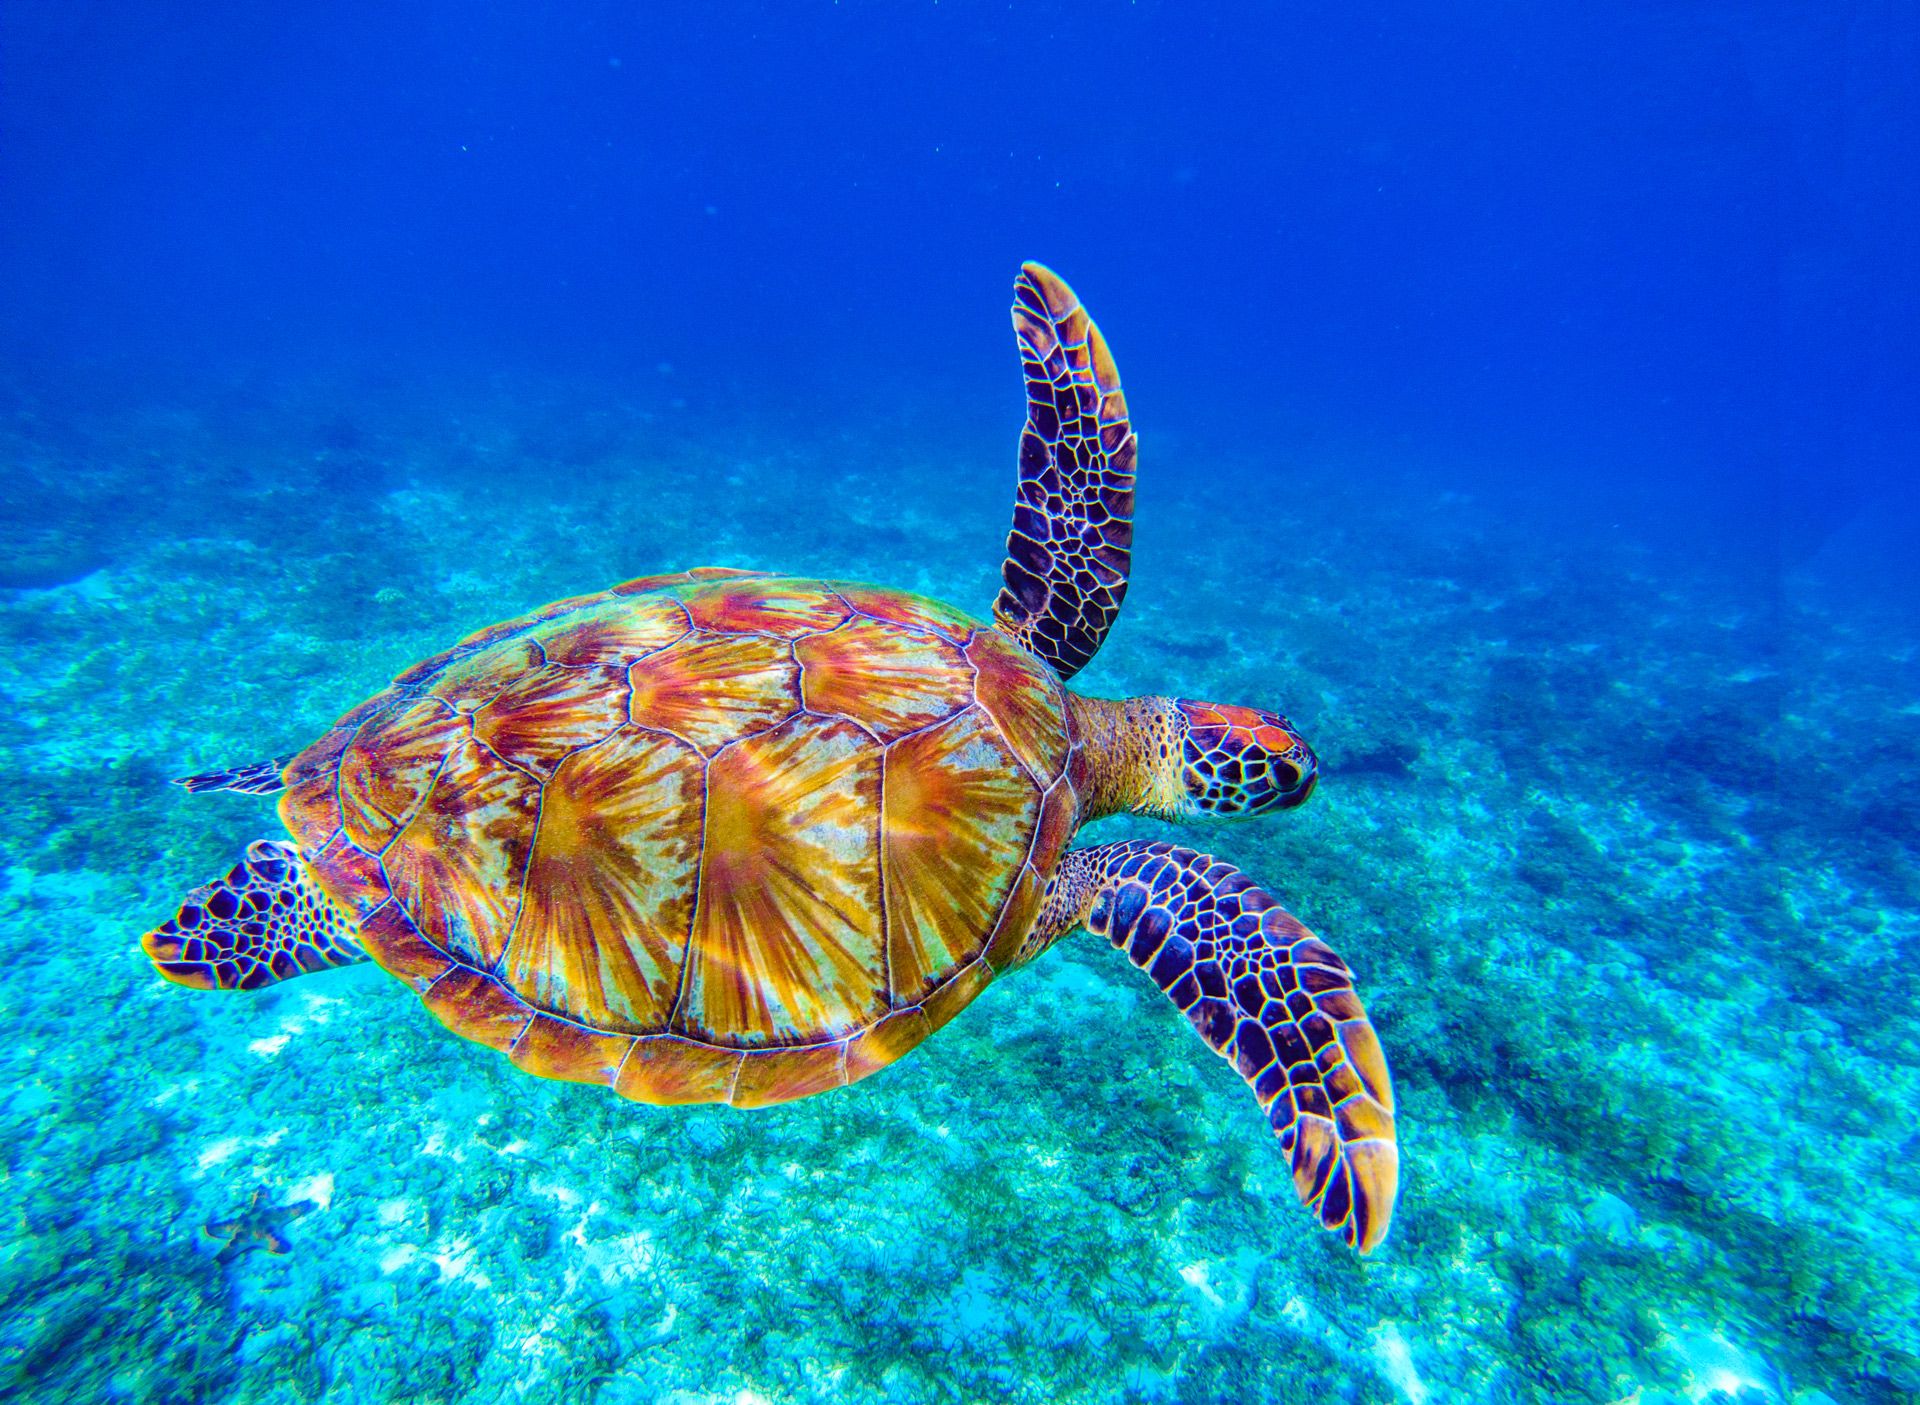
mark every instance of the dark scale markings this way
{"type": "Point", "coordinates": [1271, 999]}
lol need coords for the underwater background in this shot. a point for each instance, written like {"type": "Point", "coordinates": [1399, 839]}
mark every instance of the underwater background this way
{"type": "Point", "coordinates": [1527, 407]}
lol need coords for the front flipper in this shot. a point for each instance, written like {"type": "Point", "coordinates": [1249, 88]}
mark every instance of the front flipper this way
{"type": "Point", "coordinates": [1268, 996]}
{"type": "Point", "coordinates": [1072, 538]}
{"type": "Point", "coordinates": [266, 921]}
{"type": "Point", "coordinates": [257, 778]}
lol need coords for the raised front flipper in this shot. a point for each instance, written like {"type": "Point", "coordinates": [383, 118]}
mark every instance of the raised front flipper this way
{"type": "Point", "coordinates": [1072, 537]}
{"type": "Point", "coordinates": [1268, 996]}
{"type": "Point", "coordinates": [266, 921]}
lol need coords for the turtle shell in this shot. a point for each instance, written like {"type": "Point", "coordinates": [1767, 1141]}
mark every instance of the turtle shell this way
{"type": "Point", "coordinates": [714, 836]}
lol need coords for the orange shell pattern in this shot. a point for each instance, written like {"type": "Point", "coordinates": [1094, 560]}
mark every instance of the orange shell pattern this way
{"type": "Point", "coordinates": [714, 836]}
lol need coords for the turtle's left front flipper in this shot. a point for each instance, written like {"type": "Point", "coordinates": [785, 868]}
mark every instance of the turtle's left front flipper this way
{"type": "Point", "coordinates": [1268, 996]}
{"type": "Point", "coordinates": [1071, 545]}
{"type": "Point", "coordinates": [266, 921]}
{"type": "Point", "coordinates": [256, 778]}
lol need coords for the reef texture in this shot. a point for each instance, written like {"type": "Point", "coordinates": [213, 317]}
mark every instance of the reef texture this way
{"type": "Point", "coordinates": [1633, 902]}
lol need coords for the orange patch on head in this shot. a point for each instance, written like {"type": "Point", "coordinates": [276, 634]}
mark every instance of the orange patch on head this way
{"type": "Point", "coordinates": [610, 886]}
{"type": "Point", "coordinates": [457, 866]}
{"type": "Point", "coordinates": [1024, 697]}
{"type": "Point", "coordinates": [763, 605]}
{"type": "Point", "coordinates": [614, 630]}
{"type": "Point", "coordinates": [546, 713]}
{"type": "Point", "coordinates": [957, 817]}
{"type": "Point", "coordinates": [888, 680]}
{"type": "Point", "coordinates": [1261, 728]}
{"type": "Point", "coordinates": [786, 938]}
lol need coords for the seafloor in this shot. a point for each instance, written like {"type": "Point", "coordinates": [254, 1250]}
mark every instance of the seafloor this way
{"type": "Point", "coordinates": [1619, 843]}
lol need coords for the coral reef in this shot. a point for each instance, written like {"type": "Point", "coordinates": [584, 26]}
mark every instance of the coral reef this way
{"type": "Point", "coordinates": [1620, 850]}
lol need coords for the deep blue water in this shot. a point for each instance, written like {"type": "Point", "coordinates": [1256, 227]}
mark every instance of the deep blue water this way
{"type": "Point", "coordinates": [1526, 399]}
{"type": "Point", "coordinates": [1664, 244]}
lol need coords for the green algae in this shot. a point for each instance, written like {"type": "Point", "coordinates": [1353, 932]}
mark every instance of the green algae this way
{"type": "Point", "coordinates": [1653, 1033]}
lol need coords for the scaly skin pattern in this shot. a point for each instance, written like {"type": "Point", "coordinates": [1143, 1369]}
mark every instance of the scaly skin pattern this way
{"type": "Point", "coordinates": [1178, 759]}
{"type": "Point", "coordinates": [1129, 756]}
{"type": "Point", "coordinates": [706, 837]}
{"type": "Point", "coordinates": [1266, 995]}
{"type": "Point", "coordinates": [1071, 543]}
{"type": "Point", "coordinates": [266, 921]}
{"type": "Point", "coordinates": [1243, 761]}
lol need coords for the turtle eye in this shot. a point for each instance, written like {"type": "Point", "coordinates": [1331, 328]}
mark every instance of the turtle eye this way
{"type": "Point", "coordinates": [1295, 782]}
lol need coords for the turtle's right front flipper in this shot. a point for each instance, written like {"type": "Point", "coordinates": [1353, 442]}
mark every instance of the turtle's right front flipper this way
{"type": "Point", "coordinates": [266, 921]}
{"type": "Point", "coordinates": [1268, 996]}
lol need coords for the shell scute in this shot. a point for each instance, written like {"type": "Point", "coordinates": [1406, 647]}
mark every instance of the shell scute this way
{"type": "Point", "coordinates": [476, 1006]}
{"type": "Point", "coordinates": [310, 808]}
{"type": "Point", "coordinates": [352, 877]}
{"type": "Point", "coordinates": [712, 689]}
{"type": "Point", "coordinates": [392, 939]}
{"type": "Point", "coordinates": [958, 814]}
{"type": "Point", "coordinates": [781, 1075]}
{"type": "Point", "coordinates": [783, 944]}
{"type": "Point", "coordinates": [610, 885]}
{"type": "Point", "coordinates": [1016, 920]}
{"type": "Point", "coordinates": [908, 611]}
{"type": "Point", "coordinates": [775, 605]}
{"type": "Point", "coordinates": [889, 682]}
{"type": "Point", "coordinates": [457, 866]}
{"type": "Point", "coordinates": [386, 771]}
{"type": "Point", "coordinates": [470, 681]}
{"type": "Point", "coordinates": [668, 1069]}
{"type": "Point", "coordinates": [614, 630]}
{"type": "Point", "coordinates": [956, 994]}
{"type": "Point", "coordinates": [547, 712]}
{"type": "Point", "coordinates": [551, 1048]}
{"type": "Point", "coordinates": [881, 1044]}
{"type": "Point", "coordinates": [1026, 700]}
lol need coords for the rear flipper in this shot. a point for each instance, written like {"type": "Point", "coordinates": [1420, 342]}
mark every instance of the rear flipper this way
{"type": "Point", "coordinates": [1268, 996]}
{"type": "Point", "coordinates": [266, 921]}
{"type": "Point", "coordinates": [259, 778]}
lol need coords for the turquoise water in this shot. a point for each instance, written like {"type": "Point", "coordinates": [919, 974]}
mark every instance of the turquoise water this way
{"type": "Point", "coordinates": [1618, 845]}
{"type": "Point", "coordinates": [1525, 398]}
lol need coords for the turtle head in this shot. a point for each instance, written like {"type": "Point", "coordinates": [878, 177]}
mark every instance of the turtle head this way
{"type": "Point", "coordinates": [1239, 761]}
{"type": "Point", "coordinates": [1187, 760]}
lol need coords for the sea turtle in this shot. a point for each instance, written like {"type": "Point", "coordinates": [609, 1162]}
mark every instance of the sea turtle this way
{"type": "Point", "coordinates": [730, 836]}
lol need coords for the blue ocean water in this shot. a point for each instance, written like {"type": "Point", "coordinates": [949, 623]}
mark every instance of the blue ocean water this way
{"type": "Point", "coordinates": [1526, 402]}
